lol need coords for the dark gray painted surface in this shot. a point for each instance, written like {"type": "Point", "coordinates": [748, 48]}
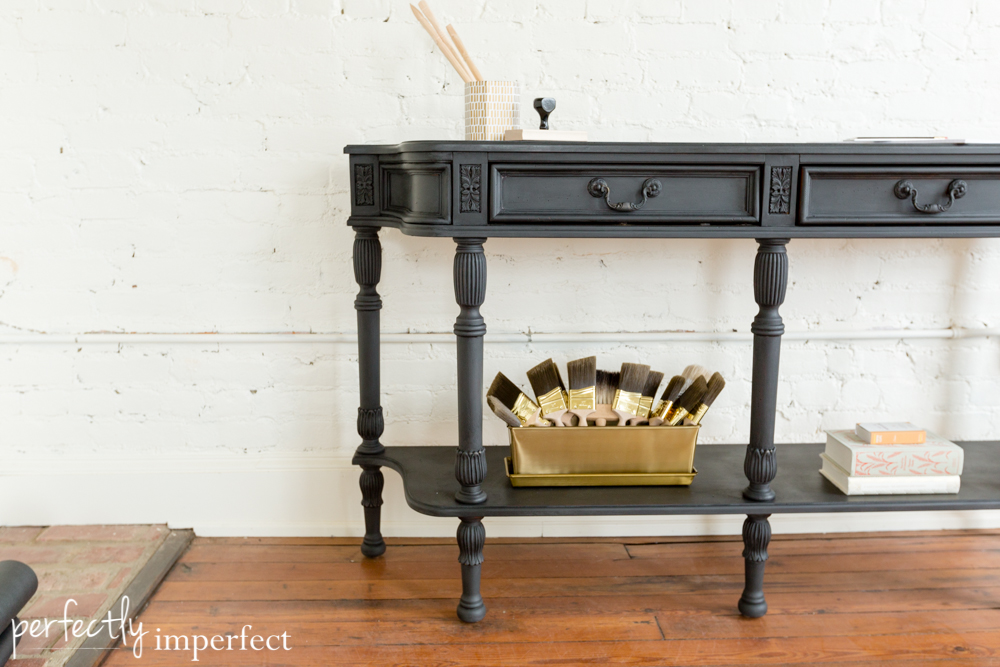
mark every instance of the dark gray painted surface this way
{"type": "Point", "coordinates": [718, 488]}
{"type": "Point", "coordinates": [539, 189]}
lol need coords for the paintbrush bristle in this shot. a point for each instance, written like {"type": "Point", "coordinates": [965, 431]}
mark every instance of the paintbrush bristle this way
{"type": "Point", "coordinates": [633, 377]}
{"type": "Point", "coordinates": [607, 384]}
{"type": "Point", "coordinates": [692, 396]}
{"type": "Point", "coordinates": [715, 386]}
{"type": "Point", "coordinates": [505, 390]}
{"type": "Point", "coordinates": [582, 373]}
{"type": "Point", "coordinates": [674, 388]}
{"type": "Point", "coordinates": [693, 371]}
{"type": "Point", "coordinates": [544, 378]}
{"type": "Point", "coordinates": [653, 381]}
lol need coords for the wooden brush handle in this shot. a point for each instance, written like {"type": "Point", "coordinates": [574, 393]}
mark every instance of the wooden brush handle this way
{"type": "Point", "coordinates": [449, 52]}
{"type": "Point", "coordinates": [465, 54]}
{"type": "Point", "coordinates": [466, 77]}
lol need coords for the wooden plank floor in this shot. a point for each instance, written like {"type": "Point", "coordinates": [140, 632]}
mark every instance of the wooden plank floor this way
{"type": "Point", "coordinates": [910, 599]}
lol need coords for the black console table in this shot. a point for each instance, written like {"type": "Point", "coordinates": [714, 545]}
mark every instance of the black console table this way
{"type": "Point", "coordinates": [471, 191]}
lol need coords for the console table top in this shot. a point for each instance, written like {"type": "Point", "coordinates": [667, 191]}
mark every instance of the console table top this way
{"type": "Point", "coordinates": [530, 189]}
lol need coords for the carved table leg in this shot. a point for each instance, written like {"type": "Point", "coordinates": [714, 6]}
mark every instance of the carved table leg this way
{"type": "Point", "coordinates": [367, 271]}
{"type": "Point", "coordinates": [470, 292]}
{"type": "Point", "coordinates": [770, 278]}
{"type": "Point", "coordinates": [471, 539]}
{"type": "Point", "coordinates": [371, 498]}
{"type": "Point", "coordinates": [756, 537]}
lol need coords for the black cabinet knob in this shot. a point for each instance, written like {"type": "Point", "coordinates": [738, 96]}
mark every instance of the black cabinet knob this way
{"type": "Point", "coordinates": [544, 106]}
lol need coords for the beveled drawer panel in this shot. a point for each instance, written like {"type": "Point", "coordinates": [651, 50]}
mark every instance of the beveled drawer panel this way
{"type": "Point", "coordinates": [905, 195]}
{"type": "Point", "coordinates": [654, 194]}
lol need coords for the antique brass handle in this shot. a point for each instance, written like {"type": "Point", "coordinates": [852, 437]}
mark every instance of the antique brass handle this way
{"type": "Point", "coordinates": [598, 187]}
{"type": "Point", "coordinates": [956, 190]}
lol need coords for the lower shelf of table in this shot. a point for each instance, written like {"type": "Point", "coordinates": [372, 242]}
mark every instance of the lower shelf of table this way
{"type": "Point", "coordinates": [429, 481]}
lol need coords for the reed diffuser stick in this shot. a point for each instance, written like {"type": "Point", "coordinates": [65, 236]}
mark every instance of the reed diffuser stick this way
{"type": "Point", "coordinates": [465, 54]}
{"type": "Point", "coordinates": [466, 77]}
{"type": "Point", "coordinates": [429, 15]}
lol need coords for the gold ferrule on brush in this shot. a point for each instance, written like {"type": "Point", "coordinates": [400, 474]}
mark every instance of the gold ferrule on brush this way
{"type": "Point", "coordinates": [524, 408]}
{"type": "Point", "coordinates": [677, 415]}
{"type": "Point", "coordinates": [645, 405]}
{"type": "Point", "coordinates": [583, 399]}
{"type": "Point", "coordinates": [553, 401]}
{"type": "Point", "coordinates": [695, 418]}
{"type": "Point", "coordinates": [626, 401]}
{"type": "Point", "coordinates": [661, 409]}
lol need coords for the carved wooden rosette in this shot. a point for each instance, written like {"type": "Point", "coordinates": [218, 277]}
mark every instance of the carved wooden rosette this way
{"type": "Point", "coordinates": [770, 281]}
{"type": "Point", "coordinates": [471, 540]}
{"type": "Point", "coordinates": [470, 292]}
{"type": "Point", "coordinates": [756, 537]}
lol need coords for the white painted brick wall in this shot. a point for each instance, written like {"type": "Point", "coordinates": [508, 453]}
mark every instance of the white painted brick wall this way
{"type": "Point", "coordinates": [176, 166]}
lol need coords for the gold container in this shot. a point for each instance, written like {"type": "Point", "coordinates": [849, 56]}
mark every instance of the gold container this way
{"type": "Point", "coordinates": [603, 455]}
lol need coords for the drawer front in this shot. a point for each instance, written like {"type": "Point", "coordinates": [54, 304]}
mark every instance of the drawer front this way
{"type": "Point", "coordinates": [905, 195]}
{"type": "Point", "coordinates": [657, 194]}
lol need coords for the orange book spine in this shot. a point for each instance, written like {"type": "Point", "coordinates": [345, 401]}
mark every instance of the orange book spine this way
{"type": "Point", "coordinates": [898, 437]}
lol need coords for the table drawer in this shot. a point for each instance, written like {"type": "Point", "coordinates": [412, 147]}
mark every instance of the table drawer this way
{"type": "Point", "coordinates": [645, 195]}
{"type": "Point", "coordinates": [905, 195]}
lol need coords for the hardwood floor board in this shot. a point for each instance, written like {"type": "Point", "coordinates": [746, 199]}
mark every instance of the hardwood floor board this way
{"type": "Point", "coordinates": [546, 587]}
{"type": "Point", "coordinates": [728, 626]}
{"type": "Point", "coordinates": [512, 627]}
{"type": "Point", "coordinates": [494, 568]}
{"type": "Point", "coordinates": [833, 545]}
{"type": "Point", "coordinates": [496, 628]}
{"type": "Point", "coordinates": [779, 602]}
{"type": "Point", "coordinates": [766, 651]}
{"type": "Point", "coordinates": [203, 553]}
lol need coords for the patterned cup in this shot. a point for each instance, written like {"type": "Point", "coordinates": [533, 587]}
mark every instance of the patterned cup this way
{"type": "Point", "coordinates": [491, 107]}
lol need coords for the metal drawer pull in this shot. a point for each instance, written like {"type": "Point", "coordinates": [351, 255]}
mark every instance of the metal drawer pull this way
{"type": "Point", "coordinates": [598, 187]}
{"type": "Point", "coordinates": [956, 190]}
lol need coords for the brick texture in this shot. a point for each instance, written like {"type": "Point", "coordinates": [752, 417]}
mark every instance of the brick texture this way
{"type": "Point", "coordinates": [89, 564]}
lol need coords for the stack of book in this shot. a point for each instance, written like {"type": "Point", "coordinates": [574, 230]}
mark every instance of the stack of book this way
{"type": "Point", "coordinates": [895, 458]}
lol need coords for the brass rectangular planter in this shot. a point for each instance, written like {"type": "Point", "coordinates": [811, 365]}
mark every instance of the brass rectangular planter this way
{"type": "Point", "coordinates": [602, 456]}
{"type": "Point", "coordinates": [608, 479]}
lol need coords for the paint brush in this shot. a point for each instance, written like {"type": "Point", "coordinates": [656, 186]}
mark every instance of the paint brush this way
{"type": "Point", "coordinates": [631, 382]}
{"type": "Point", "coordinates": [649, 392]}
{"type": "Point", "coordinates": [687, 402]}
{"type": "Point", "coordinates": [693, 371]}
{"type": "Point", "coordinates": [670, 394]}
{"type": "Point", "coordinates": [582, 388]}
{"type": "Point", "coordinates": [550, 392]}
{"type": "Point", "coordinates": [515, 400]}
{"type": "Point", "coordinates": [715, 386]}
{"type": "Point", "coordinates": [607, 385]}
{"type": "Point", "coordinates": [503, 412]}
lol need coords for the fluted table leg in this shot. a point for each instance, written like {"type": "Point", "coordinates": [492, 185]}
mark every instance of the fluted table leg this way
{"type": "Point", "coordinates": [367, 271]}
{"type": "Point", "coordinates": [770, 279]}
{"type": "Point", "coordinates": [471, 540]}
{"type": "Point", "coordinates": [756, 537]}
{"type": "Point", "coordinates": [470, 292]}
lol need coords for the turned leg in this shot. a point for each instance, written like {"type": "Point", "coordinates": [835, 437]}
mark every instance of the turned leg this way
{"type": "Point", "coordinates": [371, 499]}
{"type": "Point", "coordinates": [471, 539]}
{"type": "Point", "coordinates": [770, 278]}
{"type": "Point", "coordinates": [470, 292]}
{"type": "Point", "coordinates": [367, 271]}
{"type": "Point", "coordinates": [756, 536]}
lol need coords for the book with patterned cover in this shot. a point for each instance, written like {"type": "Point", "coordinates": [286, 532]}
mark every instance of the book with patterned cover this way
{"type": "Point", "coordinates": [885, 486]}
{"type": "Point", "coordinates": [936, 456]}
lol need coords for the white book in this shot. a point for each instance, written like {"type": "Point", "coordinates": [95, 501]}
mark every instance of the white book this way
{"type": "Point", "coordinates": [887, 486]}
{"type": "Point", "coordinates": [935, 456]}
{"type": "Point", "coordinates": [545, 135]}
